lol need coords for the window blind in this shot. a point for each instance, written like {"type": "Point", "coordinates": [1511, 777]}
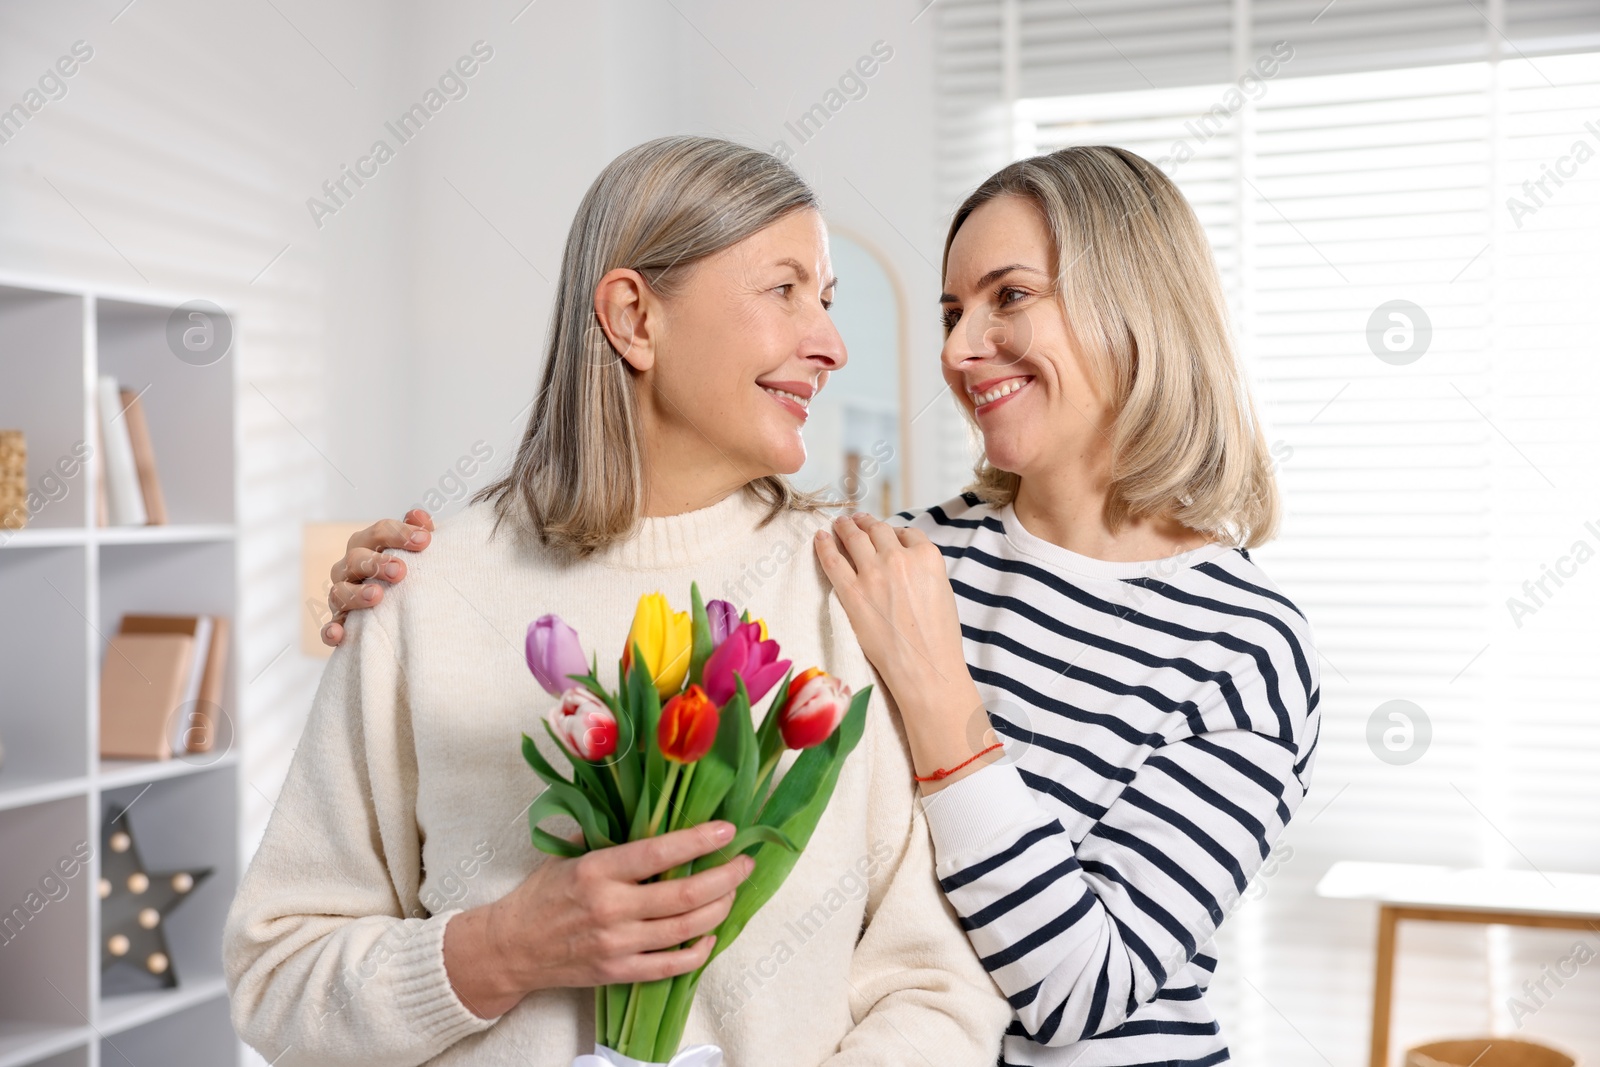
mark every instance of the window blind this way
{"type": "Point", "coordinates": [1428, 499]}
{"type": "Point", "coordinates": [1076, 46]}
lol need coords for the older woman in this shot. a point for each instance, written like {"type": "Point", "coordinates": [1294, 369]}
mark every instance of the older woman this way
{"type": "Point", "coordinates": [1112, 711]}
{"type": "Point", "coordinates": [396, 912]}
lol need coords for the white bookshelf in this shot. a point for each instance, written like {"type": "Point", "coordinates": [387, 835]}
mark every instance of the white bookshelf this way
{"type": "Point", "coordinates": [64, 584]}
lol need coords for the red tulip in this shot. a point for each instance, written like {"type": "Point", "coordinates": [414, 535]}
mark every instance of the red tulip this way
{"type": "Point", "coordinates": [688, 726]}
{"type": "Point", "coordinates": [817, 701]}
{"type": "Point", "coordinates": [584, 724]}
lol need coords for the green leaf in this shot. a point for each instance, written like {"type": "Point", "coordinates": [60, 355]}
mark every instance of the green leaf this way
{"type": "Point", "coordinates": [545, 841]}
{"type": "Point", "coordinates": [802, 810]}
{"type": "Point", "coordinates": [740, 799]}
{"type": "Point", "coordinates": [540, 765]}
{"type": "Point", "coordinates": [546, 805]}
{"type": "Point", "coordinates": [815, 770]}
{"type": "Point", "coordinates": [645, 703]}
{"type": "Point", "coordinates": [559, 798]}
{"type": "Point", "coordinates": [647, 1020]}
{"type": "Point", "coordinates": [629, 759]}
{"type": "Point", "coordinates": [700, 628]}
{"type": "Point", "coordinates": [757, 834]}
{"type": "Point", "coordinates": [675, 1015]}
{"type": "Point", "coordinates": [795, 789]}
{"type": "Point", "coordinates": [591, 682]}
{"type": "Point", "coordinates": [854, 723]}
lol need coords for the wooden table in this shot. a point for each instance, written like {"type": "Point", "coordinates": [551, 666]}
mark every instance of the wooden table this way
{"type": "Point", "coordinates": [1455, 895]}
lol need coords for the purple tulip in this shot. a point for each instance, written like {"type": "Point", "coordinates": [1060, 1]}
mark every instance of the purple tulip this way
{"type": "Point", "coordinates": [723, 619]}
{"type": "Point", "coordinates": [745, 654]}
{"type": "Point", "coordinates": [554, 653]}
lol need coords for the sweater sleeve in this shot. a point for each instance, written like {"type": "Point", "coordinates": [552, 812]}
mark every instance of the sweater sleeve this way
{"type": "Point", "coordinates": [918, 994]}
{"type": "Point", "coordinates": [1078, 937]}
{"type": "Point", "coordinates": [331, 959]}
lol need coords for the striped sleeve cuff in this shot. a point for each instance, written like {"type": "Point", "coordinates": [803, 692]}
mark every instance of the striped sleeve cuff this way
{"type": "Point", "coordinates": [423, 994]}
{"type": "Point", "coordinates": [980, 815]}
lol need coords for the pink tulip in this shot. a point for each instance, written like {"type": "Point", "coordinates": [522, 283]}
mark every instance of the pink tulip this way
{"type": "Point", "coordinates": [743, 653]}
{"type": "Point", "coordinates": [817, 702]}
{"type": "Point", "coordinates": [584, 724]}
{"type": "Point", "coordinates": [554, 653]}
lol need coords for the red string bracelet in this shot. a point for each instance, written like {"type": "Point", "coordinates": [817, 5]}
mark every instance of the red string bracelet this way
{"type": "Point", "coordinates": [945, 772]}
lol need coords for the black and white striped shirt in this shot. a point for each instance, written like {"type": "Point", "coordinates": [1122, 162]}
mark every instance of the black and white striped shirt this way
{"type": "Point", "coordinates": [1159, 720]}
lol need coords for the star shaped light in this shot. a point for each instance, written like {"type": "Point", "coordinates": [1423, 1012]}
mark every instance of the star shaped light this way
{"type": "Point", "coordinates": [133, 903]}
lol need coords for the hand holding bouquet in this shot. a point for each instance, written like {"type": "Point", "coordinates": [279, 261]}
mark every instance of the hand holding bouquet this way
{"type": "Point", "coordinates": [675, 746]}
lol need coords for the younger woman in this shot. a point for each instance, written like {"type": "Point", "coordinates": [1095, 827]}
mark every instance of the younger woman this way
{"type": "Point", "coordinates": [1155, 693]}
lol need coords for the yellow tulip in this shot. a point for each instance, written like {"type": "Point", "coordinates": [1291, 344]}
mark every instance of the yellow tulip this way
{"type": "Point", "coordinates": [665, 639]}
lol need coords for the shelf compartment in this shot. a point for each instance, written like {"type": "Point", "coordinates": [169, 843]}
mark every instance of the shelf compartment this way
{"type": "Point", "coordinates": [176, 579]}
{"type": "Point", "coordinates": [46, 892]}
{"type": "Point", "coordinates": [189, 408]}
{"type": "Point", "coordinates": [44, 661]}
{"type": "Point", "coordinates": [42, 349]}
{"type": "Point", "coordinates": [182, 823]}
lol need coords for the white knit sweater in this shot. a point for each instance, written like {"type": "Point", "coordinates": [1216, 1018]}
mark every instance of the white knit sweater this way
{"type": "Point", "coordinates": [405, 805]}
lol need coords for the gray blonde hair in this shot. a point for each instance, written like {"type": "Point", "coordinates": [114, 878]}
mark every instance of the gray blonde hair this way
{"type": "Point", "coordinates": [577, 482]}
{"type": "Point", "coordinates": [1145, 307]}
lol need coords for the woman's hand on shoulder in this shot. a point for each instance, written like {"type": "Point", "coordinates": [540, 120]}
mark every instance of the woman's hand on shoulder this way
{"type": "Point", "coordinates": [364, 559]}
{"type": "Point", "coordinates": [892, 583]}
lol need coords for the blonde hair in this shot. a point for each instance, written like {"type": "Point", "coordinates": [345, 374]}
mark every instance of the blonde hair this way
{"type": "Point", "coordinates": [577, 482]}
{"type": "Point", "coordinates": [1142, 300]}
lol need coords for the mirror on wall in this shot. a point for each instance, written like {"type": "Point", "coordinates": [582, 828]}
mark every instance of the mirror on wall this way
{"type": "Point", "coordinates": [853, 434]}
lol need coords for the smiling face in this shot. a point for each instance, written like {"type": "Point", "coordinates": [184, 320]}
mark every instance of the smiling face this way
{"type": "Point", "coordinates": [1009, 356]}
{"type": "Point", "coordinates": [741, 345]}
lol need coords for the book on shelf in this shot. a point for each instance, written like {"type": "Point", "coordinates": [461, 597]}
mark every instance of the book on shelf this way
{"type": "Point", "coordinates": [161, 686]}
{"type": "Point", "coordinates": [131, 484]}
{"type": "Point", "coordinates": [144, 458]}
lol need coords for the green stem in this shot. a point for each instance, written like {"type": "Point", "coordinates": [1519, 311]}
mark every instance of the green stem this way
{"type": "Point", "coordinates": [629, 1018]}
{"type": "Point", "coordinates": [675, 1015]}
{"type": "Point", "coordinates": [764, 775]}
{"type": "Point", "coordinates": [616, 1010]}
{"type": "Point", "coordinates": [661, 802]}
{"type": "Point", "coordinates": [678, 807]}
{"type": "Point", "coordinates": [680, 801]}
{"type": "Point", "coordinates": [600, 1013]}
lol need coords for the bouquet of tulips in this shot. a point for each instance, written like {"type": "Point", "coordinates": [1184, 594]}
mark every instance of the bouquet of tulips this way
{"type": "Point", "coordinates": [675, 746]}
